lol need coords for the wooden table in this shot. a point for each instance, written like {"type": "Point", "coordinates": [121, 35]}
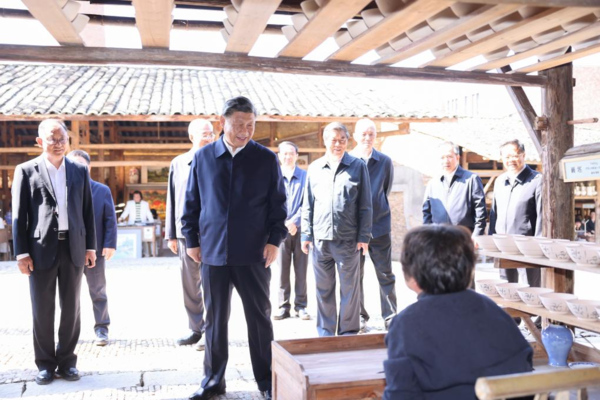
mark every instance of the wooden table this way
{"type": "Point", "coordinates": [333, 368]}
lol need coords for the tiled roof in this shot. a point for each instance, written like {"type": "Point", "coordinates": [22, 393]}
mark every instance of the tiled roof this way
{"type": "Point", "coordinates": [122, 90]}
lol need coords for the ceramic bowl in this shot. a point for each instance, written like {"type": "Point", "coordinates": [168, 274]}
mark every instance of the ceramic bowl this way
{"type": "Point", "coordinates": [506, 244]}
{"type": "Point", "coordinates": [584, 309]}
{"type": "Point", "coordinates": [508, 291]}
{"type": "Point", "coordinates": [488, 286]}
{"type": "Point", "coordinates": [531, 295]}
{"type": "Point", "coordinates": [486, 243]}
{"type": "Point", "coordinates": [555, 249]}
{"type": "Point", "coordinates": [584, 255]}
{"type": "Point", "coordinates": [557, 302]}
{"type": "Point", "coordinates": [529, 247]}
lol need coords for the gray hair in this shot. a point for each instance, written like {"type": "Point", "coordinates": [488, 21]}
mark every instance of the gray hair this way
{"type": "Point", "coordinates": [336, 126]}
{"type": "Point", "coordinates": [241, 104]}
{"type": "Point", "coordinates": [288, 143]}
{"type": "Point", "coordinates": [82, 154]}
{"type": "Point", "coordinates": [197, 126]}
{"type": "Point", "coordinates": [363, 124]}
{"type": "Point", "coordinates": [48, 125]}
{"type": "Point", "coordinates": [455, 148]}
{"type": "Point", "coordinates": [515, 142]}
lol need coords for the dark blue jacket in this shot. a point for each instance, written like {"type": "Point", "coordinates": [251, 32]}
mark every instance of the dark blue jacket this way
{"type": "Point", "coordinates": [462, 204]}
{"type": "Point", "coordinates": [106, 220]}
{"type": "Point", "coordinates": [439, 346]}
{"type": "Point", "coordinates": [235, 206]}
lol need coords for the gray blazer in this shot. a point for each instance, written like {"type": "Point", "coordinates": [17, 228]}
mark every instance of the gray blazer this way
{"type": "Point", "coordinates": [35, 221]}
{"type": "Point", "coordinates": [517, 208]}
{"type": "Point", "coordinates": [463, 203]}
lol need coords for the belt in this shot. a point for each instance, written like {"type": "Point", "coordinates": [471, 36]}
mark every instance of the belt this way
{"type": "Point", "coordinates": [63, 235]}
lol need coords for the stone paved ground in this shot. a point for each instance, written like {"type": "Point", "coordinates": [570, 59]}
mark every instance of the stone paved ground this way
{"type": "Point", "coordinates": [142, 360]}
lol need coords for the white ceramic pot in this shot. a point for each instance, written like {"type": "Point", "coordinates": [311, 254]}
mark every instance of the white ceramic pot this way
{"type": "Point", "coordinates": [555, 249]}
{"type": "Point", "coordinates": [486, 243]}
{"type": "Point", "coordinates": [531, 295]}
{"type": "Point", "coordinates": [488, 286]}
{"type": "Point", "coordinates": [506, 244]}
{"type": "Point", "coordinates": [584, 309]}
{"type": "Point", "coordinates": [584, 255]}
{"type": "Point", "coordinates": [529, 247]}
{"type": "Point", "coordinates": [557, 302]}
{"type": "Point", "coordinates": [508, 291]}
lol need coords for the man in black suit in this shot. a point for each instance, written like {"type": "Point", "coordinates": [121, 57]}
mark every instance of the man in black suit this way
{"type": "Point", "coordinates": [54, 238]}
{"type": "Point", "coordinates": [234, 221]}
{"type": "Point", "coordinates": [106, 235]}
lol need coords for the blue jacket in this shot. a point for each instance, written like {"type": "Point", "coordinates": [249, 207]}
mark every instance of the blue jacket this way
{"type": "Point", "coordinates": [235, 206]}
{"type": "Point", "coordinates": [104, 214]}
{"type": "Point", "coordinates": [439, 346]}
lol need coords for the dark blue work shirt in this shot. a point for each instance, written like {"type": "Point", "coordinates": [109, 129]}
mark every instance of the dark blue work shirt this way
{"type": "Point", "coordinates": [106, 219]}
{"type": "Point", "coordinates": [234, 206]}
{"type": "Point", "coordinates": [294, 191]}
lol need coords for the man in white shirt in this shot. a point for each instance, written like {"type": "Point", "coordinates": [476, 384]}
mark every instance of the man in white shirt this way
{"type": "Point", "coordinates": [54, 238]}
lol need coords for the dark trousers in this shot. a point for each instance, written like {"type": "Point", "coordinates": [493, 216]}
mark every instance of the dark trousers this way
{"type": "Point", "coordinates": [290, 248]}
{"type": "Point", "coordinates": [329, 255]}
{"type": "Point", "coordinates": [252, 284]}
{"type": "Point", "coordinates": [380, 251]}
{"type": "Point", "coordinates": [534, 275]}
{"type": "Point", "coordinates": [96, 280]}
{"type": "Point", "coordinates": [42, 287]}
{"type": "Point", "coordinates": [192, 289]}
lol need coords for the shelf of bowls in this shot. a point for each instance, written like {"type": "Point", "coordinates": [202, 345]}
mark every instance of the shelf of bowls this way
{"type": "Point", "coordinates": [583, 190]}
{"type": "Point", "coordinates": [538, 251]}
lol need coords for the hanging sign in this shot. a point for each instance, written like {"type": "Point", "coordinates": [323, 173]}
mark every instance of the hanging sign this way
{"type": "Point", "coordinates": [579, 169]}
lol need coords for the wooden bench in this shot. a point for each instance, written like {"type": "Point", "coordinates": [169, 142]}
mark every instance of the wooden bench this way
{"type": "Point", "coordinates": [539, 384]}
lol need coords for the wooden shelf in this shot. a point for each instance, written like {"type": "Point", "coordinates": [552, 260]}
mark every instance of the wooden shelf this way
{"type": "Point", "coordinates": [586, 197]}
{"type": "Point", "coordinates": [540, 262]}
{"type": "Point", "coordinates": [568, 319]}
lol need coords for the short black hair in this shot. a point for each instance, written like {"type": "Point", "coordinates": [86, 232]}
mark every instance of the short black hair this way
{"type": "Point", "coordinates": [82, 154]}
{"type": "Point", "coordinates": [288, 143]}
{"type": "Point", "coordinates": [137, 192]}
{"type": "Point", "coordinates": [241, 104]}
{"type": "Point", "coordinates": [440, 258]}
{"type": "Point", "coordinates": [514, 142]}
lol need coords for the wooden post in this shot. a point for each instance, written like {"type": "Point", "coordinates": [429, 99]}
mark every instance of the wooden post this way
{"type": "Point", "coordinates": [5, 188]}
{"type": "Point", "coordinates": [272, 133]}
{"type": "Point", "coordinates": [74, 136]}
{"type": "Point", "coordinates": [558, 201]}
{"type": "Point", "coordinates": [112, 174]}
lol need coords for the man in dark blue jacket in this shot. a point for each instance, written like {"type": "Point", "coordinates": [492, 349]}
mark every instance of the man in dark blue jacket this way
{"type": "Point", "coordinates": [439, 346]}
{"type": "Point", "coordinates": [106, 237]}
{"type": "Point", "coordinates": [233, 222]}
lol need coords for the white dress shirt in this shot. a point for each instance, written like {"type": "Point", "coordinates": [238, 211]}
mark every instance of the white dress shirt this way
{"type": "Point", "coordinates": [230, 148]}
{"type": "Point", "coordinates": [58, 177]}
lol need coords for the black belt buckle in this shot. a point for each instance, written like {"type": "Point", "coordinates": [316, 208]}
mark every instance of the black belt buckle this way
{"type": "Point", "coordinates": [63, 235]}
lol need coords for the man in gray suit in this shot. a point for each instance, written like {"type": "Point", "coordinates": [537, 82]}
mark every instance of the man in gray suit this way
{"type": "Point", "coordinates": [456, 197]}
{"type": "Point", "coordinates": [54, 238]}
{"type": "Point", "coordinates": [381, 176]}
{"type": "Point", "coordinates": [200, 134]}
{"type": "Point", "coordinates": [517, 206]}
{"type": "Point", "coordinates": [337, 216]}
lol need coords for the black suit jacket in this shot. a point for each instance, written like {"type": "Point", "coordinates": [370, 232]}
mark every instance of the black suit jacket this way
{"type": "Point", "coordinates": [35, 221]}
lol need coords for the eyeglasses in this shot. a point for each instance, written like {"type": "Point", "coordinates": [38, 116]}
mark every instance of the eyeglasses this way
{"type": "Point", "coordinates": [53, 141]}
{"type": "Point", "coordinates": [340, 141]}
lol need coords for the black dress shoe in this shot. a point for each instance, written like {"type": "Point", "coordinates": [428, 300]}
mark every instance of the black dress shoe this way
{"type": "Point", "coordinates": [282, 314]}
{"type": "Point", "coordinates": [192, 338]}
{"type": "Point", "coordinates": [44, 377]}
{"type": "Point", "coordinates": [69, 374]}
{"type": "Point", "coordinates": [208, 393]}
{"type": "Point", "coordinates": [268, 394]}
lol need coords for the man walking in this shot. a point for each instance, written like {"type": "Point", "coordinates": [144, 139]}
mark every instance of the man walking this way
{"type": "Point", "coordinates": [381, 177]}
{"type": "Point", "coordinates": [294, 179]}
{"type": "Point", "coordinates": [336, 220]}
{"type": "Point", "coordinates": [233, 221]}
{"type": "Point", "coordinates": [54, 240]}
{"type": "Point", "coordinates": [456, 197]}
{"type": "Point", "coordinates": [200, 134]}
{"type": "Point", "coordinates": [106, 239]}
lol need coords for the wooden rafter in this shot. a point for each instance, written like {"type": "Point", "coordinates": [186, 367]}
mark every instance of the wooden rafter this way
{"type": "Point", "coordinates": [560, 60]}
{"type": "Point", "coordinates": [326, 21]}
{"type": "Point", "coordinates": [540, 3]}
{"type": "Point", "coordinates": [154, 20]}
{"type": "Point", "coordinates": [471, 22]}
{"type": "Point", "coordinates": [588, 32]}
{"type": "Point", "coordinates": [390, 27]}
{"type": "Point", "coordinates": [252, 19]}
{"type": "Point", "coordinates": [538, 23]}
{"type": "Point", "coordinates": [55, 21]}
{"type": "Point", "coordinates": [103, 56]}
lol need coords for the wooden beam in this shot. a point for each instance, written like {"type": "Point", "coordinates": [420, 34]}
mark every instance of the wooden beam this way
{"type": "Point", "coordinates": [540, 3]}
{"type": "Point", "coordinates": [558, 205]}
{"type": "Point", "coordinates": [469, 23]}
{"type": "Point", "coordinates": [252, 20]}
{"type": "Point", "coordinates": [588, 32]}
{"type": "Point", "coordinates": [489, 184]}
{"type": "Point", "coordinates": [154, 19]}
{"type": "Point", "coordinates": [390, 27]}
{"type": "Point", "coordinates": [323, 24]}
{"type": "Point", "coordinates": [272, 134]}
{"type": "Point", "coordinates": [538, 23]}
{"type": "Point", "coordinates": [526, 112]}
{"type": "Point", "coordinates": [103, 56]}
{"type": "Point", "coordinates": [560, 60]}
{"type": "Point", "coordinates": [55, 21]}
{"type": "Point", "coordinates": [583, 121]}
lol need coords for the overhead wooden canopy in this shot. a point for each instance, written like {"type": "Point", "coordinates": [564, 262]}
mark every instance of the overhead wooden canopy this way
{"type": "Point", "coordinates": [503, 32]}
